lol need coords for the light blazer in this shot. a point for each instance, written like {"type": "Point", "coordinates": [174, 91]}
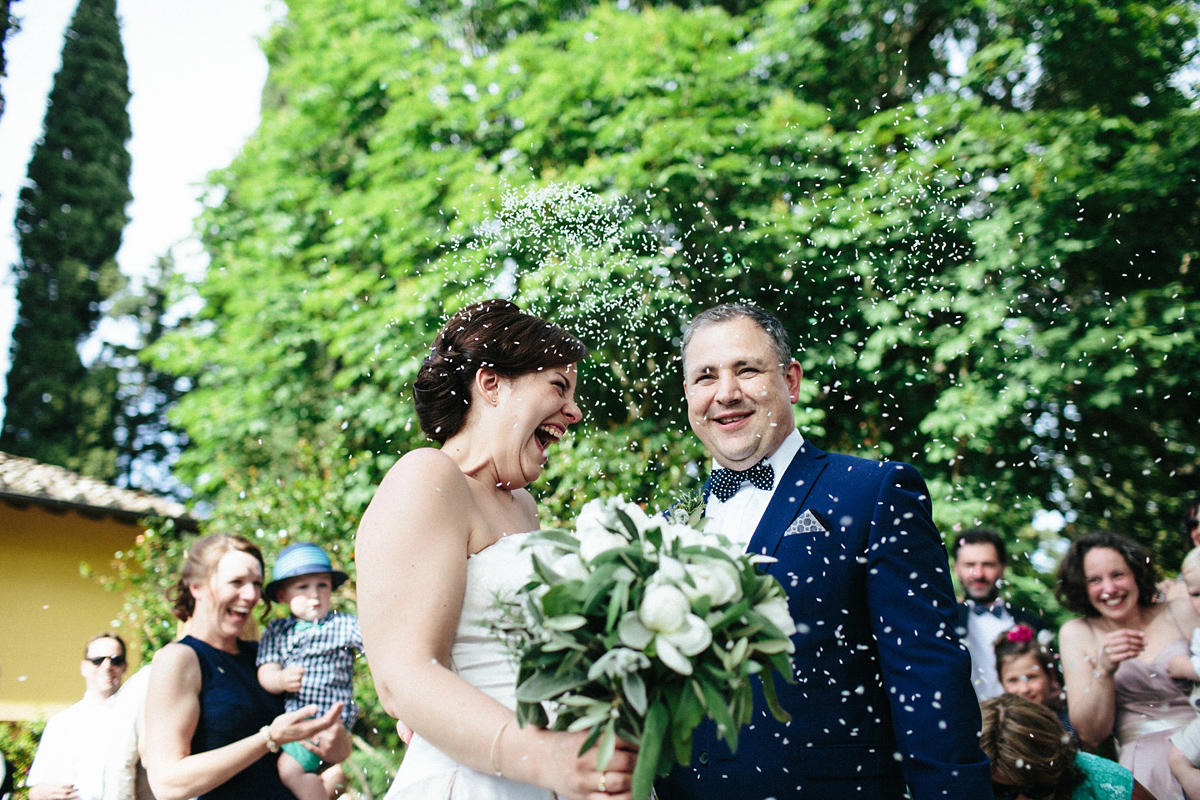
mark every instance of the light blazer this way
{"type": "Point", "coordinates": [883, 694]}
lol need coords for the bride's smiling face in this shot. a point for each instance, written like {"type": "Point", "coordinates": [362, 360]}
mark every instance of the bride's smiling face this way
{"type": "Point", "coordinates": [531, 413]}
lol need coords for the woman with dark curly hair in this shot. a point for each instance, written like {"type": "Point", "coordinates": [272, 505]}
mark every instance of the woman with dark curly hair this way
{"type": "Point", "coordinates": [1033, 758]}
{"type": "Point", "coordinates": [443, 537]}
{"type": "Point", "coordinates": [1115, 656]}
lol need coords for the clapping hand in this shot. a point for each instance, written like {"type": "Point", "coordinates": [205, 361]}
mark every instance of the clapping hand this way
{"type": "Point", "coordinates": [303, 724]}
{"type": "Point", "coordinates": [1121, 645]}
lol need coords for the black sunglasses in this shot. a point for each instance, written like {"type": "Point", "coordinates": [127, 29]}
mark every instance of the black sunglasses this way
{"type": "Point", "coordinates": [116, 661]}
{"type": "Point", "coordinates": [1193, 523]}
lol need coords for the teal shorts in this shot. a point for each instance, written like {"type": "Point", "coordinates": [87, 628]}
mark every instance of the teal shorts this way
{"type": "Point", "coordinates": [305, 757]}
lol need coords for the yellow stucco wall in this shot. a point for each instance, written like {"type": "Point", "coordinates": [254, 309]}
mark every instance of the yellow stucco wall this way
{"type": "Point", "coordinates": [47, 609]}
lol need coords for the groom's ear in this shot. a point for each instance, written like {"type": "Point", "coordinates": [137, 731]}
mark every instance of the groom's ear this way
{"type": "Point", "coordinates": [792, 375]}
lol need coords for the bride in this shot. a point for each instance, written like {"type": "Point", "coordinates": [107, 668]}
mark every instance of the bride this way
{"type": "Point", "coordinates": [442, 536]}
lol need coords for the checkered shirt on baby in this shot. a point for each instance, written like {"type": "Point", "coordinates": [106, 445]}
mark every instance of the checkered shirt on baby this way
{"type": "Point", "coordinates": [326, 651]}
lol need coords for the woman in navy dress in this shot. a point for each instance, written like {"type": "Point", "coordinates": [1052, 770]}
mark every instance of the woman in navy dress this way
{"type": "Point", "coordinates": [212, 731]}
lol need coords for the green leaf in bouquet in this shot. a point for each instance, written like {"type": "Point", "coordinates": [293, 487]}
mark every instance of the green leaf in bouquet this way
{"type": "Point", "coordinates": [772, 697]}
{"type": "Point", "coordinates": [707, 551]}
{"type": "Point", "coordinates": [689, 712]}
{"type": "Point", "coordinates": [731, 615]}
{"type": "Point", "coordinates": [563, 641]}
{"type": "Point", "coordinates": [741, 705]}
{"type": "Point", "coordinates": [596, 589]}
{"type": "Point", "coordinates": [547, 686]}
{"type": "Point", "coordinates": [738, 654]}
{"type": "Point", "coordinates": [770, 646]}
{"type": "Point", "coordinates": [565, 622]}
{"type": "Point", "coordinates": [617, 606]}
{"type": "Point", "coordinates": [702, 605]}
{"type": "Point", "coordinates": [560, 600]}
{"type": "Point", "coordinates": [647, 767]}
{"type": "Point", "coordinates": [635, 692]}
{"type": "Point", "coordinates": [563, 539]}
{"type": "Point", "coordinates": [681, 740]}
{"type": "Point", "coordinates": [608, 744]}
{"type": "Point", "coordinates": [545, 574]}
{"type": "Point", "coordinates": [760, 622]}
{"type": "Point", "coordinates": [532, 714]}
{"type": "Point", "coordinates": [782, 664]}
{"type": "Point", "coordinates": [594, 720]}
{"type": "Point", "coordinates": [631, 528]}
{"type": "Point", "coordinates": [654, 537]}
{"type": "Point", "coordinates": [727, 729]}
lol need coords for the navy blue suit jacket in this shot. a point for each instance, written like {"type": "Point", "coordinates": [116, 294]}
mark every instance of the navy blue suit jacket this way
{"type": "Point", "coordinates": [883, 695]}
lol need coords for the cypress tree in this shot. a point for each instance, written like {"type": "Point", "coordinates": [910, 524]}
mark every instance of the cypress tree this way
{"type": "Point", "coordinates": [70, 216]}
{"type": "Point", "coordinates": [8, 24]}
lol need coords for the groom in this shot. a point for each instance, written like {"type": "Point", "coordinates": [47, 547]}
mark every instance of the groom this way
{"type": "Point", "coordinates": [882, 697]}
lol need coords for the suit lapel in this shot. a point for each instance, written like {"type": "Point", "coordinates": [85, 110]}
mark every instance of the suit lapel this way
{"type": "Point", "coordinates": [794, 487]}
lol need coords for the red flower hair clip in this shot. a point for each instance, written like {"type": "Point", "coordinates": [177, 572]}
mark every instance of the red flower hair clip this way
{"type": "Point", "coordinates": [1020, 633]}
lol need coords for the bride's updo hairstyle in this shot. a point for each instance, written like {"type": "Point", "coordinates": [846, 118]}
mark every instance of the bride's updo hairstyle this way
{"type": "Point", "coordinates": [495, 334]}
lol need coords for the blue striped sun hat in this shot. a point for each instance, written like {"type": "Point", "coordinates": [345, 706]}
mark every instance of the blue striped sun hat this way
{"type": "Point", "coordinates": [302, 558]}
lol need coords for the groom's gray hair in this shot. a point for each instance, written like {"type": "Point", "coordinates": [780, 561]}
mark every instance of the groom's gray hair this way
{"type": "Point", "coordinates": [759, 316]}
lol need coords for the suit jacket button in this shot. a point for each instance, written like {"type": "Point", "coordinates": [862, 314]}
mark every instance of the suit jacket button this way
{"type": "Point", "coordinates": [703, 758]}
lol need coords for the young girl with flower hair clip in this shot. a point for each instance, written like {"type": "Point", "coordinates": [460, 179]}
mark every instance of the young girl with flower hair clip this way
{"type": "Point", "coordinates": [1028, 669]}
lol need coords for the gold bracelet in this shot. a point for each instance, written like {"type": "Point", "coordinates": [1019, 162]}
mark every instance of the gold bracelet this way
{"type": "Point", "coordinates": [496, 741]}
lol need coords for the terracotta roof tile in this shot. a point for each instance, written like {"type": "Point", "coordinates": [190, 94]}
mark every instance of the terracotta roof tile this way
{"type": "Point", "coordinates": [26, 480]}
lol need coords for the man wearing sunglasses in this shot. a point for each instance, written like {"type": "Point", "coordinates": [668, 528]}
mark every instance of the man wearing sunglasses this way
{"type": "Point", "coordinates": [74, 757]}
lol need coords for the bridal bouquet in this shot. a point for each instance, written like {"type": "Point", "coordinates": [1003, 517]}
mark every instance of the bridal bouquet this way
{"type": "Point", "coordinates": [640, 627]}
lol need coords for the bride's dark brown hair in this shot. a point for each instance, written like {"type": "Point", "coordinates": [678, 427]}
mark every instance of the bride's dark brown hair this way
{"type": "Point", "coordinates": [495, 334]}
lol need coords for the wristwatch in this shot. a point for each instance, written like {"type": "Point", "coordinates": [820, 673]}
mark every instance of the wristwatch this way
{"type": "Point", "coordinates": [272, 745]}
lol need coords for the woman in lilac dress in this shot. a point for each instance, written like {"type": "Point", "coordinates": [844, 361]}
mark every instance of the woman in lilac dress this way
{"type": "Point", "coordinates": [1115, 656]}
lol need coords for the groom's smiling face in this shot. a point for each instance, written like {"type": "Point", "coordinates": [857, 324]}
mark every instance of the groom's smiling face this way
{"type": "Point", "coordinates": [739, 396]}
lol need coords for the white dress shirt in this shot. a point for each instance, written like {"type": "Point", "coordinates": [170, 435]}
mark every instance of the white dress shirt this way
{"type": "Point", "coordinates": [738, 517]}
{"type": "Point", "coordinates": [982, 630]}
{"type": "Point", "coordinates": [77, 746]}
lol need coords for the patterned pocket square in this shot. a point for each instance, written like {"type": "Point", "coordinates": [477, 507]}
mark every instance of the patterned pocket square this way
{"type": "Point", "coordinates": [806, 523]}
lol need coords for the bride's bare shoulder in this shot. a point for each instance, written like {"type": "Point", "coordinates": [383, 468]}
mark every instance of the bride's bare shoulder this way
{"type": "Point", "coordinates": [420, 479]}
{"type": "Point", "coordinates": [423, 465]}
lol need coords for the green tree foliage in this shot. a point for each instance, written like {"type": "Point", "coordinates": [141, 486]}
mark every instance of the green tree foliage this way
{"type": "Point", "coordinates": [19, 743]}
{"type": "Point", "coordinates": [70, 216]}
{"type": "Point", "coordinates": [978, 221]}
{"type": "Point", "coordinates": [8, 25]}
{"type": "Point", "coordinates": [146, 441]}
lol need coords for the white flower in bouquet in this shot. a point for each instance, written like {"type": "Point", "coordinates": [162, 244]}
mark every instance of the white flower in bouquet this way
{"type": "Point", "coordinates": [777, 613]}
{"type": "Point", "coordinates": [664, 608]}
{"type": "Point", "coordinates": [571, 567]}
{"type": "Point", "coordinates": [639, 627]}
{"type": "Point", "coordinates": [719, 581]}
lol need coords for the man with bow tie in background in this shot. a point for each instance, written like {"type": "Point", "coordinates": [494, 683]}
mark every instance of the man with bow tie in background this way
{"type": "Point", "coordinates": [980, 557]}
{"type": "Point", "coordinates": [882, 697]}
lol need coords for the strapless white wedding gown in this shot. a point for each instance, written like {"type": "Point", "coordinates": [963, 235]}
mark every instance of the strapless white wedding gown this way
{"type": "Point", "coordinates": [484, 662]}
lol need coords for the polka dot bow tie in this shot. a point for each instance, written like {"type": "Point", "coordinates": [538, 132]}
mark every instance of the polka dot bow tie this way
{"type": "Point", "coordinates": [726, 482]}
